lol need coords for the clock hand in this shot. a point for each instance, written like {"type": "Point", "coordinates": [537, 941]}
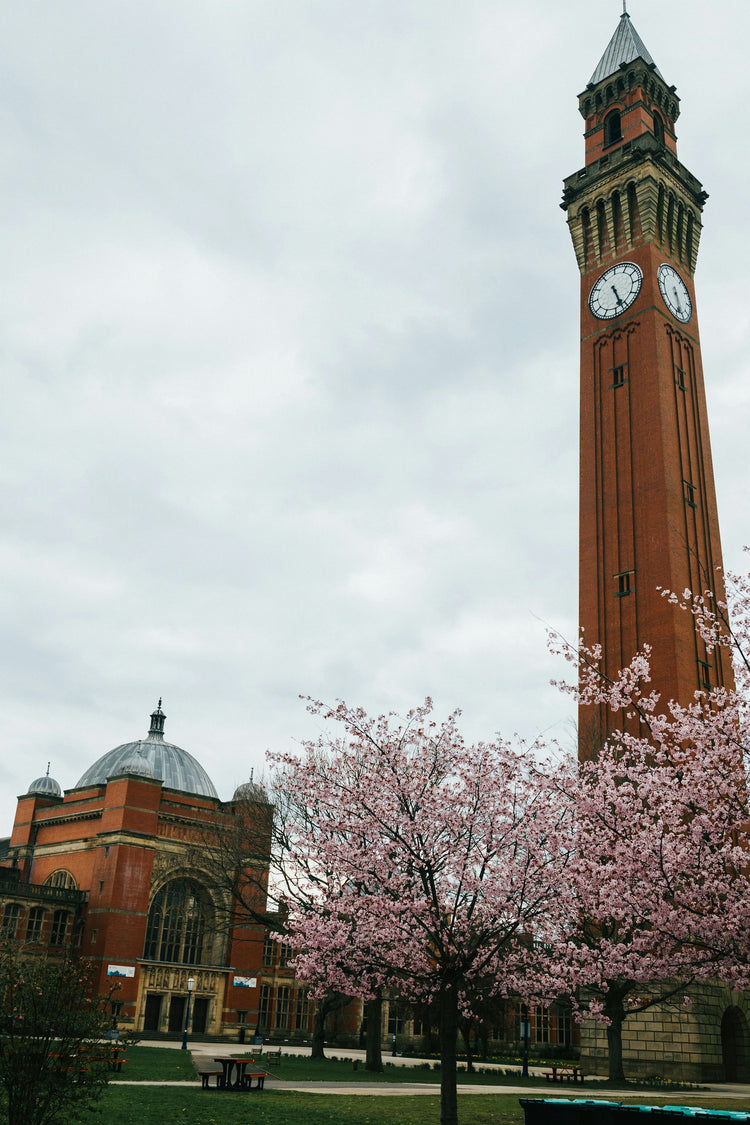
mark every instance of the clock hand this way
{"type": "Point", "coordinates": [677, 301]}
{"type": "Point", "coordinates": [617, 295]}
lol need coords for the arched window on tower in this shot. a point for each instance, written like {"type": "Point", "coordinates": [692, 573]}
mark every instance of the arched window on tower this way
{"type": "Point", "coordinates": [178, 921]}
{"type": "Point", "coordinates": [658, 128]}
{"type": "Point", "coordinates": [612, 128]}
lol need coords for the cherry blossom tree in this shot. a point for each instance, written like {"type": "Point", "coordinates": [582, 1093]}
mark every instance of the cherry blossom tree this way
{"type": "Point", "coordinates": [429, 867]}
{"type": "Point", "coordinates": [661, 867]}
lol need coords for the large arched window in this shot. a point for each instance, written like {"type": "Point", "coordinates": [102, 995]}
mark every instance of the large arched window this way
{"type": "Point", "coordinates": [61, 878]}
{"type": "Point", "coordinates": [178, 921]}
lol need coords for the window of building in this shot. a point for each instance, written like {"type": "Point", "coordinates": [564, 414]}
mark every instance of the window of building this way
{"type": "Point", "coordinates": [612, 128]}
{"type": "Point", "coordinates": [9, 925]}
{"type": "Point", "coordinates": [282, 1008]}
{"type": "Point", "coordinates": [564, 1028]}
{"type": "Point", "coordinates": [59, 927]}
{"type": "Point", "coordinates": [34, 924]}
{"type": "Point", "coordinates": [658, 128]}
{"type": "Point", "coordinates": [679, 378]}
{"type": "Point", "coordinates": [178, 921]}
{"type": "Point", "coordinates": [704, 675]}
{"type": "Point", "coordinates": [624, 582]}
{"type": "Point", "coordinates": [264, 1006]}
{"type": "Point", "coordinates": [619, 375]}
{"type": "Point", "coordinates": [395, 1019]}
{"type": "Point", "coordinates": [690, 493]}
{"type": "Point", "coordinates": [302, 1010]}
{"type": "Point", "coordinates": [269, 949]}
{"type": "Point", "coordinates": [541, 1024]}
{"type": "Point", "coordinates": [61, 878]}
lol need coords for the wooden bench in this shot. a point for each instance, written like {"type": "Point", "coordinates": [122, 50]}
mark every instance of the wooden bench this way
{"type": "Point", "coordinates": [564, 1074]}
{"type": "Point", "coordinates": [259, 1075]}
{"type": "Point", "coordinates": [206, 1073]}
{"type": "Point", "coordinates": [273, 1055]}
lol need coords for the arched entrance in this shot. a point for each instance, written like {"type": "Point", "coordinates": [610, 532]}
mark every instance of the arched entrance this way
{"type": "Point", "coordinates": [735, 1046]}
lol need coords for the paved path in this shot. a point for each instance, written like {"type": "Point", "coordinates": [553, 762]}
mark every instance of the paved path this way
{"type": "Point", "coordinates": [385, 1089]}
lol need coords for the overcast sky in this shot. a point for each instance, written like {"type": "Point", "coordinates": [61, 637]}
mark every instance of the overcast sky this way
{"type": "Point", "coordinates": [289, 355]}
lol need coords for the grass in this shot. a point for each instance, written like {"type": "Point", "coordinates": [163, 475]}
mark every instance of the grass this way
{"type": "Point", "coordinates": [150, 1064]}
{"type": "Point", "coordinates": [153, 1105]}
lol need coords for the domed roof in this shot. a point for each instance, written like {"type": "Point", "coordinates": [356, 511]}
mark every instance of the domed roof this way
{"type": "Point", "coordinates": [45, 786]}
{"type": "Point", "coordinates": [152, 757]}
{"type": "Point", "coordinates": [251, 792]}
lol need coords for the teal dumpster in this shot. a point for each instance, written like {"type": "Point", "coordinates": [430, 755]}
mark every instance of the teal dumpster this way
{"type": "Point", "coordinates": [567, 1111]}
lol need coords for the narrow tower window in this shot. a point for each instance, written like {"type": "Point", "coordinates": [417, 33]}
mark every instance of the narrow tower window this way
{"type": "Point", "coordinates": [619, 375]}
{"type": "Point", "coordinates": [658, 128]}
{"type": "Point", "coordinates": [624, 582]}
{"type": "Point", "coordinates": [612, 128]}
{"type": "Point", "coordinates": [690, 492]}
{"type": "Point", "coordinates": [704, 675]}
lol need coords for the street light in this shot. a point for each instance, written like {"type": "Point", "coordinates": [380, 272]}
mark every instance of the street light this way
{"type": "Point", "coordinates": [525, 1031]}
{"type": "Point", "coordinates": [191, 986]}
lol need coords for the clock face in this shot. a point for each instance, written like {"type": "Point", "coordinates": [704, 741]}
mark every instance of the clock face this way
{"type": "Point", "coordinates": [675, 294]}
{"type": "Point", "coordinates": [615, 290]}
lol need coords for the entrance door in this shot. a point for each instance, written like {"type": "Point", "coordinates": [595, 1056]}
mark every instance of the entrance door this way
{"type": "Point", "coordinates": [152, 1014]}
{"type": "Point", "coordinates": [176, 1014]}
{"type": "Point", "coordinates": [735, 1046]}
{"type": "Point", "coordinates": [200, 1014]}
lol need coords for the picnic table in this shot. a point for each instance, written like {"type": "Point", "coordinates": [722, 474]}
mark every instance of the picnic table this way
{"type": "Point", "coordinates": [236, 1076]}
{"type": "Point", "coordinates": [565, 1072]}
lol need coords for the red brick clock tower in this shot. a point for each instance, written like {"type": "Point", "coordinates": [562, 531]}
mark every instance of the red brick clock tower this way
{"type": "Point", "coordinates": [648, 516]}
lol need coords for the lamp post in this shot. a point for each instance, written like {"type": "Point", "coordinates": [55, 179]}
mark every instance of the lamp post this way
{"type": "Point", "coordinates": [190, 986]}
{"type": "Point", "coordinates": [525, 1030]}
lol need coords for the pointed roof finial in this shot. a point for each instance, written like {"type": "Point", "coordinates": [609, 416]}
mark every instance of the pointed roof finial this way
{"type": "Point", "coordinates": [48, 766]}
{"type": "Point", "coordinates": [625, 8]}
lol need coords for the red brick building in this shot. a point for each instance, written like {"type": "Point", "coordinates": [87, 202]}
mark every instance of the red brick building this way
{"type": "Point", "coordinates": [114, 867]}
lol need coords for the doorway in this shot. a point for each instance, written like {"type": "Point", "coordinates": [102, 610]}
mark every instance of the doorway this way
{"type": "Point", "coordinates": [735, 1046]}
{"type": "Point", "coordinates": [176, 1014]}
{"type": "Point", "coordinates": [152, 1014]}
{"type": "Point", "coordinates": [200, 1014]}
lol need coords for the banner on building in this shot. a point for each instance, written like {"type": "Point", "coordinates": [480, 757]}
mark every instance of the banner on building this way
{"type": "Point", "coordinates": [120, 970]}
{"type": "Point", "coordinates": [245, 982]}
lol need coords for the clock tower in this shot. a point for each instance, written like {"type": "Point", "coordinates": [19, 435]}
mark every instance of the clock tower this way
{"type": "Point", "coordinates": [648, 517]}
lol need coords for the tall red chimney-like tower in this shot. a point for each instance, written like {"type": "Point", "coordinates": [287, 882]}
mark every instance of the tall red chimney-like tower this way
{"type": "Point", "coordinates": [648, 517]}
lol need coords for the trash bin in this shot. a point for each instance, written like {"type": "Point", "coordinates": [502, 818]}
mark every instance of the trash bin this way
{"type": "Point", "coordinates": [242, 1034]}
{"type": "Point", "coordinates": [567, 1111]}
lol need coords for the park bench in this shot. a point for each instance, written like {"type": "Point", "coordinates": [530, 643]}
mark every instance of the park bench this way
{"type": "Point", "coordinates": [206, 1072]}
{"type": "Point", "coordinates": [566, 1073]}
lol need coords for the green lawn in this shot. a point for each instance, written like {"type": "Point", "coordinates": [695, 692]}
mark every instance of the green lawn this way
{"type": "Point", "coordinates": [148, 1064]}
{"type": "Point", "coordinates": [150, 1105]}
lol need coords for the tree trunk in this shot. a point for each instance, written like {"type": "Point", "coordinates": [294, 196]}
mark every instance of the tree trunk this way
{"type": "Point", "coordinates": [374, 1057]}
{"type": "Point", "coordinates": [319, 1030]}
{"type": "Point", "coordinates": [614, 1009]}
{"type": "Point", "coordinates": [448, 1040]}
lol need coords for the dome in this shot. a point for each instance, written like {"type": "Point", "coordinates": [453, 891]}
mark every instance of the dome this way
{"type": "Point", "coordinates": [251, 792]}
{"type": "Point", "coordinates": [45, 786]}
{"type": "Point", "coordinates": [138, 764]}
{"type": "Point", "coordinates": [152, 757]}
